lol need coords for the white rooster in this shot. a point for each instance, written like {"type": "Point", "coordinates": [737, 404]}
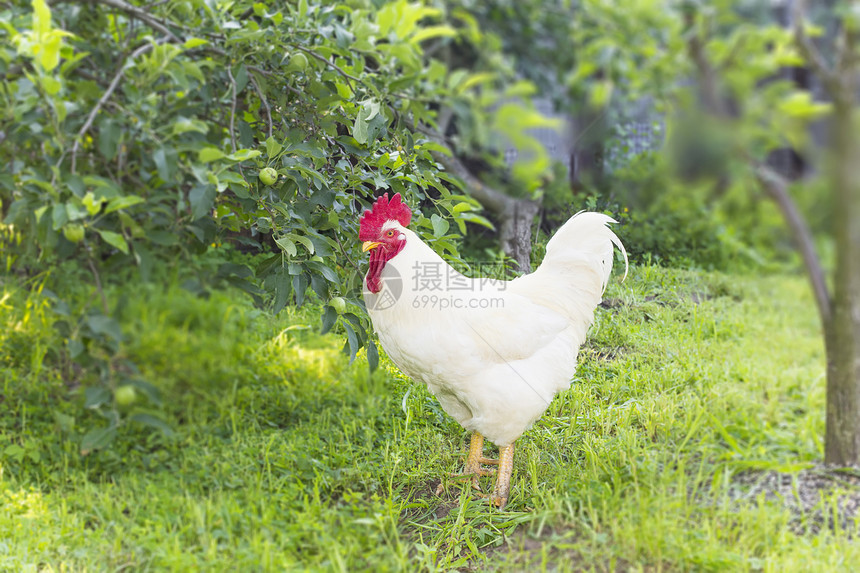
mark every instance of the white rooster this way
{"type": "Point", "coordinates": [493, 352]}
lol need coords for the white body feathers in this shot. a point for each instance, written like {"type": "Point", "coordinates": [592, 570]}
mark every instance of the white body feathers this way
{"type": "Point", "coordinates": [494, 353]}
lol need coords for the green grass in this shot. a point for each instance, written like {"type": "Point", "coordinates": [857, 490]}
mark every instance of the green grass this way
{"type": "Point", "coordinates": [285, 456]}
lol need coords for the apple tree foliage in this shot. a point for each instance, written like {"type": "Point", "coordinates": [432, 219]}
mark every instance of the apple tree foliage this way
{"type": "Point", "coordinates": [134, 132]}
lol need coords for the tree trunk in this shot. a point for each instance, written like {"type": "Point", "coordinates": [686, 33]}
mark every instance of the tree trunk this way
{"type": "Point", "coordinates": [842, 439]}
{"type": "Point", "coordinates": [587, 158]}
{"type": "Point", "coordinates": [515, 231]}
{"type": "Point", "coordinates": [840, 315]}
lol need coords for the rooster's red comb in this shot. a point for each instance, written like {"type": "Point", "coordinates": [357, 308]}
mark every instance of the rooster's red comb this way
{"type": "Point", "coordinates": [383, 210]}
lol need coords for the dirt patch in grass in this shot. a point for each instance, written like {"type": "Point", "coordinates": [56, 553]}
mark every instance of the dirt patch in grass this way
{"type": "Point", "coordinates": [818, 497]}
{"type": "Point", "coordinates": [674, 299]}
{"type": "Point", "coordinates": [602, 353]}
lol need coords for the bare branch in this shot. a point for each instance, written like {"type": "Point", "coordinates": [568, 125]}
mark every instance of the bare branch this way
{"type": "Point", "coordinates": [234, 98]}
{"type": "Point", "coordinates": [328, 62]}
{"type": "Point", "coordinates": [263, 100]}
{"type": "Point", "coordinates": [446, 114]}
{"type": "Point", "coordinates": [776, 186]}
{"type": "Point", "coordinates": [232, 108]}
{"type": "Point", "coordinates": [105, 96]}
{"type": "Point", "coordinates": [141, 15]}
{"type": "Point", "coordinates": [346, 254]}
{"type": "Point", "coordinates": [846, 59]}
{"type": "Point", "coordinates": [829, 77]}
{"type": "Point", "coordinates": [94, 270]}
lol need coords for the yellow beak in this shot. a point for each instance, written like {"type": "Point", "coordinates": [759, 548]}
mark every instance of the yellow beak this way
{"type": "Point", "coordinates": [369, 246]}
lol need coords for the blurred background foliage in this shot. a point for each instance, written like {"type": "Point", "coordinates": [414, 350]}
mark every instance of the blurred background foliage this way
{"type": "Point", "coordinates": [235, 145]}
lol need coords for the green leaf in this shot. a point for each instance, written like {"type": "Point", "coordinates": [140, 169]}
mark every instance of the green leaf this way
{"type": "Point", "coordinates": [244, 154]}
{"type": "Point", "coordinates": [161, 164]}
{"type": "Point", "coordinates": [117, 203]}
{"type": "Point", "coordinates": [371, 108]}
{"type": "Point", "coordinates": [478, 220]}
{"type": "Point", "coordinates": [15, 452]}
{"type": "Point", "coordinates": [192, 43]}
{"type": "Point", "coordinates": [475, 80]}
{"type": "Point", "coordinates": [372, 355]}
{"type": "Point", "coordinates": [209, 154]}
{"type": "Point", "coordinates": [600, 94]}
{"type": "Point", "coordinates": [105, 325]}
{"type": "Point", "coordinates": [303, 240]}
{"type": "Point", "coordinates": [110, 132]}
{"type": "Point", "coordinates": [152, 422]}
{"type": "Point", "coordinates": [41, 19]}
{"type": "Point", "coordinates": [327, 273]}
{"type": "Point", "coordinates": [461, 207]}
{"type": "Point", "coordinates": [114, 239]}
{"type": "Point", "coordinates": [75, 347]}
{"type": "Point", "coordinates": [202, 198]}
{"type": "Point", "coordinates": [60, 216]}
{"type": "Point", "coordinates": [352, 340]}
{"type": "Point", "coordinates": [148, 390]}
{"type": "Point", "coordinates": [359, 129]}
{"type": "Point", "coordinates": [184, 125]}
{"type": "Point", "coordinates": [329, 318]}
{"type": "Point", "coordinates": [273, 147]}
{"type": "Point", "coordinates": [440, 225]}
{"type": "Point", "coordinates": [300, 285]}
{"type": "Point", "coordinates": [97, 439]}
{"type": "Point", "coordinates": [92, 204]}
{"type": "Point", "coordinates": [288, 245]}
{"type": "Point", "coordinates": [95, 396]}
{"type": "Point", "coordinates": [432, 146]}
{"type": "Point", "coordinates": [432, 32]}
{"type": "Point", "coordinates": [283, 289]}
{"type": "Point", "coordinates": [801, 105]}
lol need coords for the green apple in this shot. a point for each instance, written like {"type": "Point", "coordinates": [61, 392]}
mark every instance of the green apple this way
{"type": "Point", "coordinates": [268, 176]}
{"type": "Point", "coordinates": [125, 395]}
{"type": "Point", "coordinates": [339, 304]}
{"type": "Point", "coordinates": [298, 61]}
{"type": "Point", "coordinates": [74, 232]}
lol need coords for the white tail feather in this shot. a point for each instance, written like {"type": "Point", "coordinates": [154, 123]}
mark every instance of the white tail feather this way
{"type": "Point", "coordinates": [587, 232]}
{"type": "Point", "coordinates": [576, 269]}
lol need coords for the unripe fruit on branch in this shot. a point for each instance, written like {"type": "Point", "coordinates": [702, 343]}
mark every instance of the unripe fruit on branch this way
{"type": "Point", "coordinates": [74, 232]}
{"type": "Point", "coordinates": [268, 176]}
{"type": "Point", "coordinates": [125, 395]}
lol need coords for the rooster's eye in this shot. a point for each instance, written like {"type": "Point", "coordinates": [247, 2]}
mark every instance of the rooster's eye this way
{"type": "Point", "coordinates": [389, 233]}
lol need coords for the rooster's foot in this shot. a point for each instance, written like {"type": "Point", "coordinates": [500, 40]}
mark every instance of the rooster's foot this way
{"type": "Point", "coordinates": [473, 471]}
{"type": "Point", "coordinates": [502, 489]}
{"type": "Point", "coordinates": [474, 475]}
{"type": "Point", "coordinates": [474, 460]}
{"type": "Point", "coordinates": [494, 499]}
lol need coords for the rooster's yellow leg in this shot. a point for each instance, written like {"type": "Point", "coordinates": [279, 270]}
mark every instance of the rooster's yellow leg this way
{"type": "Point", "coordinates": [476, 458]}
{"type": "Point", "coordinates": [502, 489]}
{"type": "Point", "coordinates": [473, 470]}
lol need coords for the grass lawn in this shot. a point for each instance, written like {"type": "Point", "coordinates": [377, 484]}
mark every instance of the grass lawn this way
{"type": "Point", "coordinates": [284, 456]}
